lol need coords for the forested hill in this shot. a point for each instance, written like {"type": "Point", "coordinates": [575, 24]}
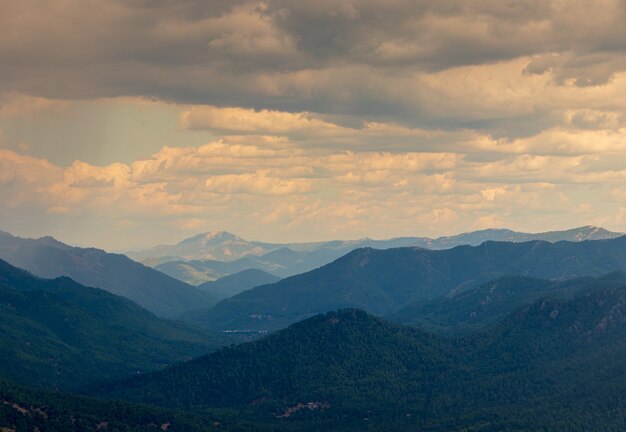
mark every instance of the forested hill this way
{"type": "Point", "coordinates": [476, 308]}
{"type": "Point", "coordinates": [57, 333]}
{"type": "Point", "coordinates": [555, 365]}
{"type": "Point", "coordinates": [384, 281]}
{"type": "Point", "coordinates": [27, 410]}
{"type": "Point", "coordinates": [308, 359]}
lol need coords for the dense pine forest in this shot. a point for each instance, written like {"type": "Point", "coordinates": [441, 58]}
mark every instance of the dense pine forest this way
{"type": "Point", "coordinates": [554, 365]}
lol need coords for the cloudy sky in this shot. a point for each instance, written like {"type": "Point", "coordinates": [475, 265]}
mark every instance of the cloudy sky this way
{"type": "Point", "coordinates": [129, 123]}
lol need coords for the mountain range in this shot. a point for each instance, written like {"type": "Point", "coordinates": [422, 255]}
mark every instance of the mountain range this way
{"type": "Point", "coordinates": [56, 333]}
{"type": "Point", "coordinates": [384, 281]}
{"type": "Point", "coordinates": [116, 273]}
{"type": "Point", "coordinates": [214, 245]}
{"type": "Point", "coordinates": [526, 336]}
{"type": "Point", "coordinates": [213, 255]}
{"type": "Point", "coordinates": [553, 365]}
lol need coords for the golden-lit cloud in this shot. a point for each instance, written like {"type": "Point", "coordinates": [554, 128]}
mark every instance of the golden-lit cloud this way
{"type": "Point", "coordinates": [240, 120]}
{"type": "Point", "coordinates": [311, 119]}
{"type": "Point", "coordinates": [290, 189]}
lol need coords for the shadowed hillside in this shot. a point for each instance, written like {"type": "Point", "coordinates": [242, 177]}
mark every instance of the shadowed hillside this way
{"type": "Point", "coordinates": [57, 333]}
{"type": "Point", "coordinates": [553, 365]}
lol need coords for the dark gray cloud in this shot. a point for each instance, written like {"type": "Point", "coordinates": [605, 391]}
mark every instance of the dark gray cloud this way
{"type": "Point", "coordinates": [357, 58]}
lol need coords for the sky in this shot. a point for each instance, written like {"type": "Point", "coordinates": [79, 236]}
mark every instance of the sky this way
{"type": "Point", "coordinates": [125, 124]}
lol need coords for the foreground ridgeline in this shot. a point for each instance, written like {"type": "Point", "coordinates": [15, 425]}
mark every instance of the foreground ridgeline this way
{"type": "Point", "coordinates": [27, 410]}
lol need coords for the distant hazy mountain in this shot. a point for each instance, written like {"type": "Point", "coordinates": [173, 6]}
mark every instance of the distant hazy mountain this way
{"type": "Point", "coordinates": [553, 365]}
{"type": "Point", "coordinates": [198, 272]}
{"type": "Point", "coordinates": [216, 245]}
{"type": "Point", "coordinates": [384, 281]}
{"type": "Point", "coordinates": [282, 262]}
{"type": "Point", "coordinates": [231, 285]}
{"type": "Point", "coordinates": [57, 333]}
{"type": "Point", "coordinates": [477, 237]}
{"type": "Point", "coordinates": [151, 289]}
{"type": "Point", "coordinates": [214, 255]}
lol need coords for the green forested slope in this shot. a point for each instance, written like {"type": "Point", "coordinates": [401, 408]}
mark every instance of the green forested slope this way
{"type": "Point", "coordinates": [555, 365]}
{"type": "Point", "coordinates": [25, 410]}
{"type": "Point", "coordinates": [476, 308]}
{"type": "Point", "coordinates": [57, 333]}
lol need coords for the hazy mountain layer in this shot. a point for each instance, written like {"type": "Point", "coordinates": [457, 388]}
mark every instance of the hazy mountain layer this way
{"type": "Point", "coordinates": [282, 262]}
{"type": "Point", "coordinates": [188, 261]}
{"type": "Point", "coordinates": [216, 245]}
{"type": "Point", "coordinates": [149, 288]}
{"type": "Point", "coordinates": [384, 281]}
{"type": "Point", "coordinates": [231, 285]}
